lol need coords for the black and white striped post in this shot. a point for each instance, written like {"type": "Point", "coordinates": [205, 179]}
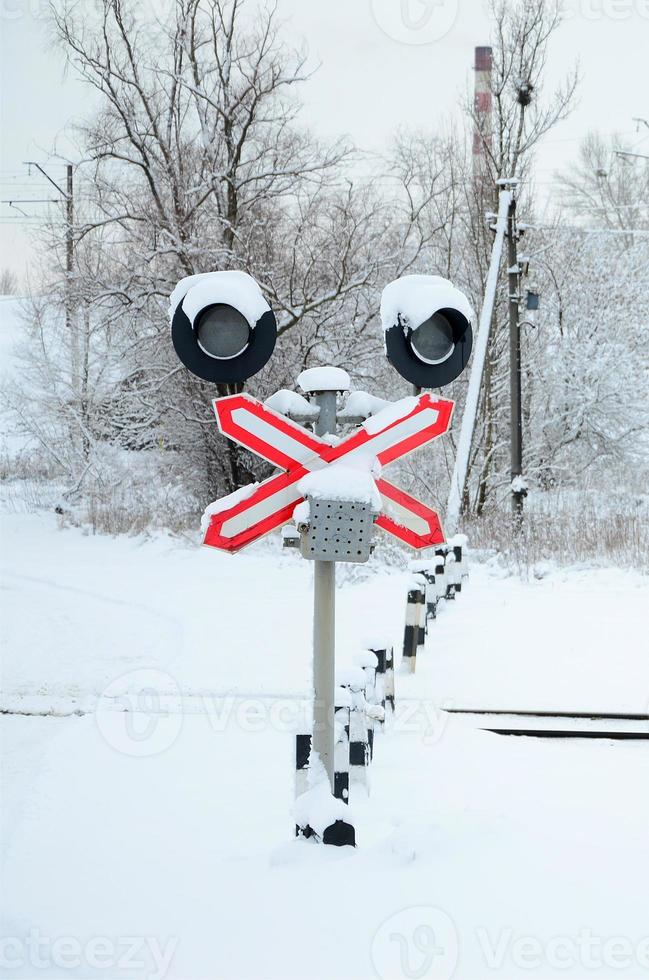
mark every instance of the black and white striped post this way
{"type": "Point", "coordinates": [431, 604]}
{"type": "Point", "coordinates": [459, 545]}
{"type": "Point", "coordinates": [451, 574]}
{"type": "Point", "coordinates": [421, 612]}
{"type": "Point", "coordinates": [302, 753]}
{"type": "Point", "coordinates": [440, 573]}
{"type": "Point", "coordinates": [311, 820]}
{"type": "Point", "coordinates": [457, 554]}
{"type": "Point", "coordinates": [381, 655]}
{"type": "Point", "coordinates": [427, 569]}
{"type": "Point", "coordinates": [442, 558]}
{"type": "Point", "coordinates": [410, 634]}
{"type": "Point", "coordinates": [368, 661]}
{"type": "Point", "coordinates": [359, 750]}
{"type": "Point", "coordinates": [412, 637]}
{"type": "Point", "coordinates": [353, 681]}
{"type": "Point", "coordinates": [342, 735]}
{"type": "Point", "coordinates": [421, 635]}
{"type": "Point", "coordinates": [389, 681]}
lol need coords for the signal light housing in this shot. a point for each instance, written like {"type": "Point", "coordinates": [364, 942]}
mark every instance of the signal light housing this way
{"type": "Point", "coordinates": [222, 328]}
{"type": "Point", "coordinates": [427, 324]}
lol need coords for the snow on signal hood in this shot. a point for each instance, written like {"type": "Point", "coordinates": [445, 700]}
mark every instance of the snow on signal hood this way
{"type": "Point", "coordinates": [231, 287]}
{"type": "Point", "coordinates": [413, 299]}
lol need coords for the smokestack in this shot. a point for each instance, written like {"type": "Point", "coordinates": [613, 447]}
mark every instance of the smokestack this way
{"type": "Point", "coordinates": [482, 106]}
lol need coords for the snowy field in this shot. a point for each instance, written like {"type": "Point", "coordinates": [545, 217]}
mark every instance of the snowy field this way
{"type": "Point", "coordinates": [157, 841]}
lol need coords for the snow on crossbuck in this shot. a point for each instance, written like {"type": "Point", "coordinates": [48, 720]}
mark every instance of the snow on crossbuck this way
{"type": "Point", "coordinates": [240, 519]}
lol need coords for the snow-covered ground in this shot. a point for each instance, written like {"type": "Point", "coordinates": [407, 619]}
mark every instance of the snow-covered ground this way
{"type": "Point", "coordinates": [158, 841]}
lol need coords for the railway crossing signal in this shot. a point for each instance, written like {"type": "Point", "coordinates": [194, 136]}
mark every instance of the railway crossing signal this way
{"type": "Point", "coordinates": [224, 332]}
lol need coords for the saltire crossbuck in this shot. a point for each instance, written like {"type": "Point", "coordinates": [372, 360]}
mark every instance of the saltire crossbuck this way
{"type": "Point", "coordinates": [297, 452]}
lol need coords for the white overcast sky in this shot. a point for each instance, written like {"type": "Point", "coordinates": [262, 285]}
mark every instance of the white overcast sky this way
{"type": "Point", "coordinates": [372, 79]}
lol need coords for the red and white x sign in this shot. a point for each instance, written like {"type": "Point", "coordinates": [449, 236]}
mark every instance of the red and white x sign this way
{"type": "Point", "coordinates": [297, 452]}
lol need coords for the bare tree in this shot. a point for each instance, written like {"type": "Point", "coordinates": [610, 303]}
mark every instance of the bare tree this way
{"type": "Point", "coordinates": [8, 282]}
{"type": "Point", "coordinates": [195, 160]}
{"type": "Point", "coordinates": [608, 187]}
{"type": "Point", "coordinates": [198, 163]}
{"type": "Point", "coordinates": [587, 367]}
{"type": "Point", "coordinates": [522, 112]}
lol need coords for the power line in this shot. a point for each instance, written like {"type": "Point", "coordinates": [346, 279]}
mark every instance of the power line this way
{"type": "Point", "coordinates": [628, 153]}
{"type": "Point", "coordinates": [68, 197]}
{"type": "Point", "coordinates": [592, 231]}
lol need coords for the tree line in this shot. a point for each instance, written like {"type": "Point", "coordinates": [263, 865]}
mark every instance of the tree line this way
{"type": "Point", "coordinates": [196, 159]}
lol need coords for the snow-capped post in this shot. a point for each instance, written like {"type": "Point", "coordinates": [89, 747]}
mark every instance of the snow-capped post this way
{"type": "Point", "coordinates": [427, 570]}
{"type": "Point", "coordinates": [459, 543]}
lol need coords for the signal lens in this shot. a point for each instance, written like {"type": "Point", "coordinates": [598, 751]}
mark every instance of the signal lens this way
{"type": "Point", "coordinates": [432, 341]}
{"type": "Point", "coordinates": [222, 332]}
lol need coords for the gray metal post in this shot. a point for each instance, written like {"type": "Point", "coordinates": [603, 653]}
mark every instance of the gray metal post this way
{"type": "Point", "coordinates": [324, 623]}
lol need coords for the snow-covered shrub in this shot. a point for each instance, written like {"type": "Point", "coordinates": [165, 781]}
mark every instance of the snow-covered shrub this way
{"type": "Point", "coordinates": [567, 529]}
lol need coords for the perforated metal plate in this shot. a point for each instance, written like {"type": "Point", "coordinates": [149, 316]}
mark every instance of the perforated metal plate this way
{"type": "Point", "coordinates": [339, 530]}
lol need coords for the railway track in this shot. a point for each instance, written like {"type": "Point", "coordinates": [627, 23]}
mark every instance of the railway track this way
{"type": "Point", "coordinates": [556, 724]}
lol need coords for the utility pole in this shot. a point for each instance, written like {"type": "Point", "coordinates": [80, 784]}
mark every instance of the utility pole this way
{"type": "Point", "coordinates": [69, 244]}
{"type": "Point", "coordinates": [515, 416]}
{"type": "Point", "coordinates": [68, 197]}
